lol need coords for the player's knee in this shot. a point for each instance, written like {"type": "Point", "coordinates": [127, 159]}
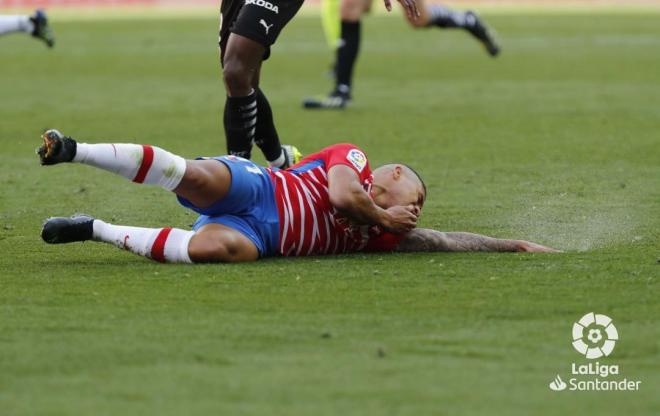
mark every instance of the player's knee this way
{"type": "Point", "coordinates": [352, 10]}
{"type": "Point", "coordinates": [195, 177]}
{"type": "Point", "coordinates": [237, 77]}
{"type": "Point", "coordinates": [203, 249]}
{"type": "Point", "coordinates": [214, 248]}
{"type": "Point", "coordinates": [352, 15]}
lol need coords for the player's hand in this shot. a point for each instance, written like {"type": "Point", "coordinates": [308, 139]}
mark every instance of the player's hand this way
{"type": "Point", "coordinates": [410, 6]}
{"type": "Point", "coordinates": [400, 219]}
{"type": "Point", "coordinates": [529, 247]}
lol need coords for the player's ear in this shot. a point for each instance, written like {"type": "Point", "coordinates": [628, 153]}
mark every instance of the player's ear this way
{"type": "Point", "coordinates": [396, 172]}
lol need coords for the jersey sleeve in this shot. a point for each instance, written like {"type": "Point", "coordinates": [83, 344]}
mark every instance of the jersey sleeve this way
{"type": "Point", "coordinates": [383, 241]}
{"type": "Point", "coordinates": [348, 155]}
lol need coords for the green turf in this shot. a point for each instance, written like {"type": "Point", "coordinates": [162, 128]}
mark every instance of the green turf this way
{"type": "Point", "coordinates": [557, 141]}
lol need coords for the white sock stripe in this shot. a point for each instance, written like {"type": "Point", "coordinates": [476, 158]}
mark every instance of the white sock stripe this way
{"type": "Point", "coordinates": [250, 114]}
{"type": "Point", "coordinates": [438, 11]}
{"type": "Point", "coordinates": [251, 123]}
{"type": "Point", "coordinates": [250, 106]}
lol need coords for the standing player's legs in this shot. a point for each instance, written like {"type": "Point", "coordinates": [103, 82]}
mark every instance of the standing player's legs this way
{"type": "Point", "coordinates": [441, 16]}
{"type": "Point", "coordinates": [36, 25]}
{"type": "Point", "coordinates": [203, 182]}
{"type": "Point", "coordinates": [246, 34]}
{"type": "Point", "coordinates": [346, 55]}
{"type": "Point", "coordinates": [351, 12]}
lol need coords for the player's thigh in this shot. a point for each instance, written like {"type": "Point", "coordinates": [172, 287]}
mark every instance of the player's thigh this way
{"type": "Point", "coordinates": [214, 243]}
{"type": "Point", "coordinates": [244, 53]}
{"type": "Point", "coordinates": [205, 182]}
{"type": "Point", "coordinates": [241, 64]}
{"type": "Point", "coordinates": [352, 10]}
{"type": "Point", "coordinates": [263, 20]}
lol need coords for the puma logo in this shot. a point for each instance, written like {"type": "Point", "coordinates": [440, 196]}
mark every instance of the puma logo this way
{"type": "Point", "coordinates": [265, 25]}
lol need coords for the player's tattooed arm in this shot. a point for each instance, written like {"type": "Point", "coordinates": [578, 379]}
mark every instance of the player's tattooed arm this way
{"type": "Point", "coordinates": [426, 240]}
{"type": "Point", "coordinates": [348, 196]}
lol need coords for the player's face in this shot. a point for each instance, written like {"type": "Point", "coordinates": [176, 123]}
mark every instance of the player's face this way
{"type": "Point", "coordinates": [394, 185]}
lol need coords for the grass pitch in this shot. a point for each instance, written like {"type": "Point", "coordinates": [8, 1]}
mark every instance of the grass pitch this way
{"type": "Point", "coordinates": [557, 141]}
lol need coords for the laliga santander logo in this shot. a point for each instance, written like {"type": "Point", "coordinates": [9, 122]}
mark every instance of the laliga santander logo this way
{"type": "Point", "coordinates": [594, 336]}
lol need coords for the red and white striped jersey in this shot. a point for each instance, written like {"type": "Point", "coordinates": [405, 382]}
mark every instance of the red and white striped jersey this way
{"type": "Point", "coordinates": [309, 224]}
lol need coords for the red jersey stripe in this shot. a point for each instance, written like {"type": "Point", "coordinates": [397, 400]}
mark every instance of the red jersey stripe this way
{"type": "Point", "coordinates": [309, 224]}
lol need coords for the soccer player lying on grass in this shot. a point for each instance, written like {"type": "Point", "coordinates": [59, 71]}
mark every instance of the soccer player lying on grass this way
{"type": "Point", "coordinates": [329, 203]}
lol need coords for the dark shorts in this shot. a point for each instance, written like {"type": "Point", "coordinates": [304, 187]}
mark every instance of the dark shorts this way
{"type": "Point", "coordinates": [249, 207]}
{"type": "Point", "coordinates": [259, 20]}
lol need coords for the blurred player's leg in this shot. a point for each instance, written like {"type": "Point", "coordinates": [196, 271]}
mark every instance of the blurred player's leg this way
{"type": "Point", "coordinates": [348, 50]}
{"type": "Point", "coordinates": [36, 25]}
{"type": "Point", "coordinates": [443, 17]}
{"type": "Point", "coordinates": [347, 54]}
{"type": "Point", "coordinates": [13, 24]}
{"type": "Point", "coordinates": [346, 57]}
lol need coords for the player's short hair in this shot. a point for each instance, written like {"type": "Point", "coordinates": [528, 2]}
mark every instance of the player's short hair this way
{"type": "Point", "coordinates": [418, 177]}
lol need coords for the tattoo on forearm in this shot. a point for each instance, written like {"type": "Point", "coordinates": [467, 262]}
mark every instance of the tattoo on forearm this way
{"type": "Point", "coordinates": [422, 239]}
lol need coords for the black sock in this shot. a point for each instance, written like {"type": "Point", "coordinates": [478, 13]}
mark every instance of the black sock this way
{"type": "Point", "coordinates": [240, 120]}
{"type": "Point", "coordinates": [266, 135]}
{"type": "Point", "coordinates": [347, 54]}
{"type": "Point", "coordinates": [444, 17]}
